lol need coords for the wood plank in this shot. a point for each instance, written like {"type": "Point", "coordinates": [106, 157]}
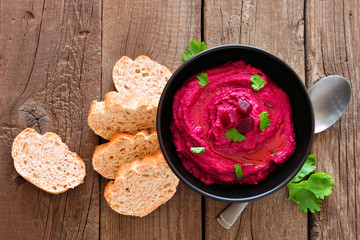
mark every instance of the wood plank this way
{"type": "Point", "coordinates": [332, 47]}
{"type": "Point", "coordinates": [50, 71]}
{"type": "Point", "coordinates": [276, 26]}
{"type": "Point", "coordinates": [161, 30]}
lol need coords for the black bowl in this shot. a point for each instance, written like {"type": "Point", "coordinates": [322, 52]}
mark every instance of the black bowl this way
{"type": "Point", "coordinates": [279, 72]}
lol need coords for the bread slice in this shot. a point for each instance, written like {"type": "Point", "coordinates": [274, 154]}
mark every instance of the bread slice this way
{"type": "Point", "coordinates": [121, 149]}
{"type": "Point", "coordinates": [118, 113]}
{"type": "Point", "coordinates": [142, 77]}
{"type": "Point", "coordinates": [141, 186]}
{"type": "Point", "coordinates": [133, 107]}
{"type": "Point", "coordinates": [46, 162]}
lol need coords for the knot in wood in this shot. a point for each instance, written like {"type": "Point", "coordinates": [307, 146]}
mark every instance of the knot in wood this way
{"type": "Point", "coordinates": [29, 15]}
{"type": "Point", "coordinates": [84, 33]}
{"type": "Point", "coordinates": [33, 115]}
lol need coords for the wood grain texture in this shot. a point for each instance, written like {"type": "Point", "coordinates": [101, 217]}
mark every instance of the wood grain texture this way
{"type": "Point", "coordinates": [161, 30]}
{"type": "Point", "coordinates": [333, 47]}
{"type": "Point", "coordinates": [276, 26]}
{"type": "Point", "coordinates": [55, 59]}
{"type": "Point", "coordinates": [50, 71]}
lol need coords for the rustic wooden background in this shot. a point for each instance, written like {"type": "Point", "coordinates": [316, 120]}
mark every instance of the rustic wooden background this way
{"type": "Point", "coordinates": [57, 56]}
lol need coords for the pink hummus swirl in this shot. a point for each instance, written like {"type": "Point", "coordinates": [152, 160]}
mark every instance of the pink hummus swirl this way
{"type": "Point", "coordinates": [197, 123]}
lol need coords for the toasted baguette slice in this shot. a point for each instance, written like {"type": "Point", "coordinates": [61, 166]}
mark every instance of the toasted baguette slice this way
{"type": "Point", "coordinates": [133, 107]}
{"type": "Point", "coordinates": [121, 149]}
{"type": "Point", "coordinates": [141, 186]}
{"type": "Point", "coordinates": [142, 77]}
{"type": "Point", "coordinates": [118, 113]}
{"type": "Point", "coordinates": [46, 162]}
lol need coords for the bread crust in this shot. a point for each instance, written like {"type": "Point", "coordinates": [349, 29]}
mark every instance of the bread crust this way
{"type": "Point", "coordinates": [24, 134]}
{"type": "Point", "coordinates": [133, 107]}
{"type": "Point", "coordinates": [149, 160]}
{"type": "Point", "coordinates": [101, 162]}
{"type": "Point", "coordinates": [121, 108]}
{"type": "Point", "coordinates": [127, 169]}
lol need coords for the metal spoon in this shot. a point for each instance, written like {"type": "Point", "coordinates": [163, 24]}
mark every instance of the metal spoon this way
{"type": "Point", "coordinates": [329, 97]}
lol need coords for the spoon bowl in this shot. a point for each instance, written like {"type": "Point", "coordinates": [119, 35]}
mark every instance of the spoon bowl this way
{"type": "Point", "coordinates": [330, 97]}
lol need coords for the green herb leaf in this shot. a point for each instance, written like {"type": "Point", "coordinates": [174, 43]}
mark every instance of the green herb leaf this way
{"type": "Point", "coordinates": [200, 150]}
{"type": "Point", "coordinates": [233, 134]}
{"type": "Point", "coordinates": [264, 120]}
{"type": "Point", "coordinates": [194, 48]}
{"type": "Point", "coordinates": [203, 79]}
{"type": "Point", "coordinates": [309, 193]}
{"type": "Point", "coordinates": [258, 82]}
{"type": "Point", "coordinates": [305, 198]}
{"type": "Point", "coordinates": [238, 172]}
{"type": "Point", "coordinates": [320, 184]}
{"type": "Point", "coordinates": [186, 56]}
{"type": "Point", "coordinates": [306, 169]}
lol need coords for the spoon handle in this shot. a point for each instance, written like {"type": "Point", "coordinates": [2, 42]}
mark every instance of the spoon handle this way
{"type": "Point", "coordinates": [229, 216]}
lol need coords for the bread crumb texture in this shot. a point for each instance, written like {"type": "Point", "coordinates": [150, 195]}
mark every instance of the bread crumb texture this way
{"type": "Point", "coordinates": [141, 186]}
{"type": "Point", "coordinates": [120, 114]}
{"type": "Point", "coordinates": [142, 77]}
{"type": "Point", "coordinates": [123, 148]}
{"type": "Point", "coordinates": [133, 107]}
{"type": "Point", "coordinates": [46, 162]}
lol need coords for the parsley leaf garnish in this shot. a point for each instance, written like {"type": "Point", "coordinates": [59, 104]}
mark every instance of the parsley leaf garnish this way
{"type": "Point", "coordinates": [200, 150]}
{"type": "Point", "coordinates": [203, 79]}
{"type": "Point", "coordinates": [309, 193]}
{"type": "Point", "coordinates": [320, 184]}
{"type": "Point", "coordinates": [264, 120]}
{"type": "Point", "coordinates": [238, 172]}
{"type": "Point", "coordinates": [233, 134]}
{"type": "Point", "coordinates": [258, 82]}
{"type": "Point", "coordinates": [305, 198]}
{"type": "Point", "coordinates": [306, 169]}
{"type": "Point", "coordinates": [193, 49]}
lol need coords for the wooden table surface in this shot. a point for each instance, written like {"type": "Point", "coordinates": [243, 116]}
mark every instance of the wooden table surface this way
{"type": "Point", "coordinates": [57, 56]}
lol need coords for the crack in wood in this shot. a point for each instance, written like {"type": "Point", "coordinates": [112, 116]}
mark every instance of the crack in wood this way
{"type": "Point", "coordinates": [88, 208]}
{"type": "Point", "coordinates": [47, 216]}
{"type": "Point", "coordinates": [64, 213]}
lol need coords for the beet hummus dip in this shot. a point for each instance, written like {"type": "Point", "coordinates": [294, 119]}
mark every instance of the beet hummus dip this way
{"type": "Point", "coordinates": [202, 116]}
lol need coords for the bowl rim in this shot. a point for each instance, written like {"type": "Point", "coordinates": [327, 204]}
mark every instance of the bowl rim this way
{"type": "Point", "coordinates": [174, 169]}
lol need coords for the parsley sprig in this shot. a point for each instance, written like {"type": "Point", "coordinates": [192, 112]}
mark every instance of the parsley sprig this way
{"type": "Point", "coordinates": [264, 121]}
{"type": "Point", "coordinates": [233, 134]}
{"type": "Point", "coordinates": [257, 82]}
{"type": "Point", "coordinates": [199, 150]}
{"type": "Point", "coordinates": [238, 171]}
{"type": "Point", "coordinates": [203, 79]}
{"type": "Point", "coordinates": [309, 193]}
{"type": "Point", "coordinates": [193, 48]}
